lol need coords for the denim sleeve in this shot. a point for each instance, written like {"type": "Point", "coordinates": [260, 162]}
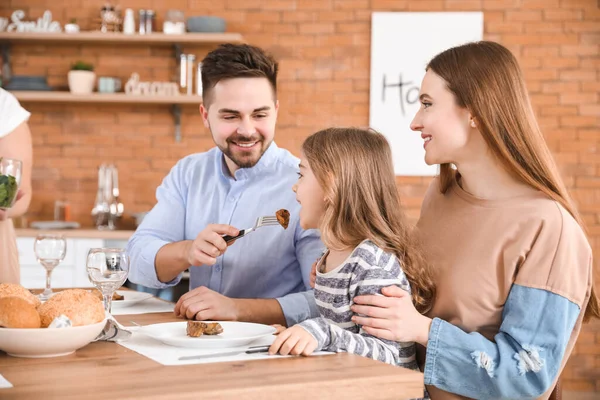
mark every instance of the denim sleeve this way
{"type": "Point", "coordinates": [522, 362]}
{"type": "Point", "coordinates": [162, 225]}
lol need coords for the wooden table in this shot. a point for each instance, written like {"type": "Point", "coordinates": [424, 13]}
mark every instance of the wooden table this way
{"type": "Point", "coordinates": [110, 371]}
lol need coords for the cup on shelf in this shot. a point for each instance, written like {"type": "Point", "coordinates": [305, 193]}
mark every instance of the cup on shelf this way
{"type": "Point", "coordinates": [107, 84]}
{"type": "Point", "coordinates": [174, 22]}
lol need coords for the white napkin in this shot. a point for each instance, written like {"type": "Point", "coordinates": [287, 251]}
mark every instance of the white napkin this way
{"type": "Point", "coordinates": [151, 305]}
{"type": "Point", "coordinates": [4, 384]}
{"type": "Point", "coordinates": [169, 355]}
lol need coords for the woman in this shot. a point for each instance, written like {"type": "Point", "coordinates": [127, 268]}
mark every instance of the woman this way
{"type": "Point", "coordinates": [513, 266]}
{"type": "Point", "coordinates": [15, 142]}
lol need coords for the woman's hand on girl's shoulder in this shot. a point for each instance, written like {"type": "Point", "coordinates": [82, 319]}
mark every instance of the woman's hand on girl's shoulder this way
{"type": "Point", "coordinates": [392, 316]}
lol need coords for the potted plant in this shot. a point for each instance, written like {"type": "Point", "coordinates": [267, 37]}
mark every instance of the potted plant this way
{"type": "Point", "coordinates": [81, 78]}
{"type": "Point", "coordinates": [72, 26]}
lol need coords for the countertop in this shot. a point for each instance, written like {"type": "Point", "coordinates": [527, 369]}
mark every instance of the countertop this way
{"type": "Point", "coordinates": [89, 233]}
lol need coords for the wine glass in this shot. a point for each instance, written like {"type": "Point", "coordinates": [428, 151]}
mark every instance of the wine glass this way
{"type": "Point", "coordinates": [49, 250]}
{"type": "Point", "coordinates": [107, 269]}
{"type": "Point", "coordinates": [10, 179]}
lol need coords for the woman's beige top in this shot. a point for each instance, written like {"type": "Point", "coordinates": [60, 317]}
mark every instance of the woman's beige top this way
{"type": "Point", "coordinates": [480, 248]}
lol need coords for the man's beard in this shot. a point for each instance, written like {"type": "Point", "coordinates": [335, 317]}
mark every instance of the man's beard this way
{"type": "Point", "coordinates": [252, 157]}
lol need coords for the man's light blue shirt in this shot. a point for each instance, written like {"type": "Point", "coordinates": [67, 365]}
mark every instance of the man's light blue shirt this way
{"type": "Point", "coordinates": [268, 263]}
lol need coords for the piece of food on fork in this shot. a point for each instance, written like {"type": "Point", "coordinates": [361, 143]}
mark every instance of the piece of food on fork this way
{"type": "Point", "coordinates": [281, 218]}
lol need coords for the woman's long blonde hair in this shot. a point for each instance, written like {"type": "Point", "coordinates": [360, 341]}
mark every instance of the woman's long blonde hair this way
{"type": "Point", "coordinates": [354, 167]}
{"type": "Point", "coordinates": [485, 78]}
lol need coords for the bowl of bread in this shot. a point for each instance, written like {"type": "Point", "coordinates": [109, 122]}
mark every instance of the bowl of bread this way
{"type": "Point", "coordinates": [29, 328]}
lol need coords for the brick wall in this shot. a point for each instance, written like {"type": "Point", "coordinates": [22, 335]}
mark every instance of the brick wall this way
{"type": "Point", "coordinates": [323, 46]}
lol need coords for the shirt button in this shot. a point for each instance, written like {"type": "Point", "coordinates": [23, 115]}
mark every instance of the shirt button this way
{"type": "Point", "coordinates": [218, 268]}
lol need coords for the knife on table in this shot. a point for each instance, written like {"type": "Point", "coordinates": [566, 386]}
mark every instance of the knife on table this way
{"type": "Point", "coordinates": [255, 350]}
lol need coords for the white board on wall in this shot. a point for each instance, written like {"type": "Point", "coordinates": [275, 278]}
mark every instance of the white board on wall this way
{"type": "Point", "coordinates": [401, 46]}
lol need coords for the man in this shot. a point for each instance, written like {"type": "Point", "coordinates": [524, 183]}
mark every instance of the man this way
{"type": "Point", "coordinates": [262, 277]}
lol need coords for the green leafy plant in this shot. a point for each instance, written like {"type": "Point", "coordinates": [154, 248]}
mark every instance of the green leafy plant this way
{"type": "Point", "coordinates": [82, 66]}
{"type": "Point", "coordinates": [8, 190]}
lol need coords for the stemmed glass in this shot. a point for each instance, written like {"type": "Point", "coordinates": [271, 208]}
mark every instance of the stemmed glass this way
{"type": "Point", "coordinates": [10, 179]}
{"type": "Point", "coordinates": [50, 250]}
{"type": "Point", "coordinates": [107, 269]}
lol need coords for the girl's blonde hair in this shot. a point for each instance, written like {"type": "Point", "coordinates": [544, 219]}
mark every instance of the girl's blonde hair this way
{"type": "Point", "coordinates": [354, 167]}
{"type": "Point", "coordinates": [485, 78]}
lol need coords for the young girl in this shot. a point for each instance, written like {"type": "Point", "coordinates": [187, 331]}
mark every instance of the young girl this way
{"type": "Point", "coordinates": [347, 190]}
{"type": "Point", "coordinates": [513, 267]}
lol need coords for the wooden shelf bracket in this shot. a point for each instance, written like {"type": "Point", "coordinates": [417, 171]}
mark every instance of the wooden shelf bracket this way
{"type": "Point", "coordinates": [176, 112]}
{"type": "Point", "coordinates": [6, 71]}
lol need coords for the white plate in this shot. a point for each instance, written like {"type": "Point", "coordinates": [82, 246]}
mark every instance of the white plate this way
{"type": "Point", "coordinates": [234, 334]}
{"type": "Point", "coordinates": [47, 342]}
{"type": "Point", "coordinates": [130, 298]}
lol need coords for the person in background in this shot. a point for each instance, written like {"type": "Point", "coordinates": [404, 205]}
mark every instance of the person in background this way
{"type": "Point", "coordinates": [347, 190]}
{"type": "Point", "coordinates": [262, 277]}
{"type": "Point", "coordinates": [512, 264]}
{"type": "Point", "coordinates": [15, 142]}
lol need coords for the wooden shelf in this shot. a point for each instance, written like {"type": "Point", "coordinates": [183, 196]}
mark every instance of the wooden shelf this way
{"type": "Point", "coordinates": [67, 97]}
{"type": "Point", "coordinates": [114, 37]}
{"type": "Point", "coordinates": [176, 41]}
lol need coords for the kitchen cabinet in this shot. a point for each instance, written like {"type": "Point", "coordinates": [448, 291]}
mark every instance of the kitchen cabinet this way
{"type": "Point", "coordinates": [69, 273]}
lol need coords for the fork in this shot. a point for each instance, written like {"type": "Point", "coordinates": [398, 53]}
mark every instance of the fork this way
{"type": "Point", "coordinates": [260, 221]}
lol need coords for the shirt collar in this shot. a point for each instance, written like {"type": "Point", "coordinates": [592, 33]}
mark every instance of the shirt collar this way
{"type": "Point", "coordinates": [268, 159]}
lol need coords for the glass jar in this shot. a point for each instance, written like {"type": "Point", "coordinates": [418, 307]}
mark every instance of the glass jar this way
{"type": "Point", "coordinates": [183, 73]}
{"type": "Point", "coordinates": [142, 26]}
{"type": "Point", "coordinates": [174, 22]}
{"type": "Point", "coordinates": [150, 17]}
{"type": "Point", "coordinates": [190, 73]}
{"type": "Point", "coordinates": [199, 79]}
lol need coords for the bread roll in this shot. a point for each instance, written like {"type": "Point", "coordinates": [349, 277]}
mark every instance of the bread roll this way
{"type": "Point", "coordinates": [14, 289]}
{"type": "Point", "coordinates": [16, 312]}
{"type": "Point", "coordinates": [82, 308]}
